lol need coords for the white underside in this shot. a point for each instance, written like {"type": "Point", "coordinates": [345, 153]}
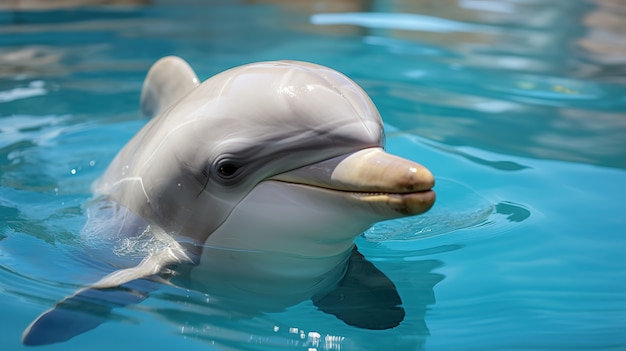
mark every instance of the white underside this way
{"type": "Point", "coordinates": [292, 219]}
{"type": "Point", "coordinates": [282, 232]}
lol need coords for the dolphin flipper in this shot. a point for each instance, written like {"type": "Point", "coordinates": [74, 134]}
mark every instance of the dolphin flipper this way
{"type": "Point", "coordinates": [81, 312]}
{"type": "Point", "coordinates": [153, 264]}
{"type": "Point", "coordinates": [364, 298]}
{"type": "Point", "coordinates": [168, 80]}
{"type": "Point", "coordinates": [91, 306]}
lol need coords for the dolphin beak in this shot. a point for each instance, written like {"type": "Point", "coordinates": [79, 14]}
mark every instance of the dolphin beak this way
{"type": "Point", "coordinates": [387, 184]}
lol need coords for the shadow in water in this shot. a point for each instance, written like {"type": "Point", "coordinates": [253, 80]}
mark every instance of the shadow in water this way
{"type": "Point", "coordinates": [363, 292]}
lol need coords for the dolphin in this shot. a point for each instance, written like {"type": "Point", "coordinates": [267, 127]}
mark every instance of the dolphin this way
{"type": "Point", "coordinates": [262, 175]}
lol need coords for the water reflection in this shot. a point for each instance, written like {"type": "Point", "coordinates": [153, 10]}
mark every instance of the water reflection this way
{"type": "Point", "coordinates": [506, 74]}
{"type": "Point", "coordinates": [604, 43]}
{"type": "Point", "coordinates": [18, 5]}
{"type": "Point", "coordinates": [220, 319]}
{"type": "Point", "coordinates": [243, 314]}
{"type": "Point", "coordinates": [499, 165]}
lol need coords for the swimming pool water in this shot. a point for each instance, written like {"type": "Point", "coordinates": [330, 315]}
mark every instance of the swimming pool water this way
{"type": "Point", "coordinates": [517, 107]}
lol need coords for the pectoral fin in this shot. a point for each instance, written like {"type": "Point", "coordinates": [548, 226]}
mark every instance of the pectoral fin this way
{"type": "Point", "coordinates": [364, 298]}
{"type": "Point", "coordinates": [92, 306]}
{"type": "Point", "coordinates": [81, 312]}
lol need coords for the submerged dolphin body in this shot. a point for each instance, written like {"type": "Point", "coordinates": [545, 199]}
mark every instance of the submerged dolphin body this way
{"type": "Point", "coordinates": [257, 180]}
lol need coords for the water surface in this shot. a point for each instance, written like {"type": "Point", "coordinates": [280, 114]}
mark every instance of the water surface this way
{"type": "Point", "coordinates": [518, 108]}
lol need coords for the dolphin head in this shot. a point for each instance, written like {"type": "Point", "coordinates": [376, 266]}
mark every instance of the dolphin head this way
{"type": "Point", "coordinates": [225, 157]}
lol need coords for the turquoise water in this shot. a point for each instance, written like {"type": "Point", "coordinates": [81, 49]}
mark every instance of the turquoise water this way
{"type": "Point", "coordinates": [518, 108]}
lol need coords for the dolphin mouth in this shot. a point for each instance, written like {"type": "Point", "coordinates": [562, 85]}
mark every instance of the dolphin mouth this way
{"type": "Point", "coordinates": [387, 184]}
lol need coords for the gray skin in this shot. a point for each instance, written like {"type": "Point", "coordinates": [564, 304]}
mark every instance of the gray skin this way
{"type": "Point", "coordinates": [266, 172]}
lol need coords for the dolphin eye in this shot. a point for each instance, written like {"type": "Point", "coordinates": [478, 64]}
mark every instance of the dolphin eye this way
{"type": "Point", "coordinates": [227, 170]}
